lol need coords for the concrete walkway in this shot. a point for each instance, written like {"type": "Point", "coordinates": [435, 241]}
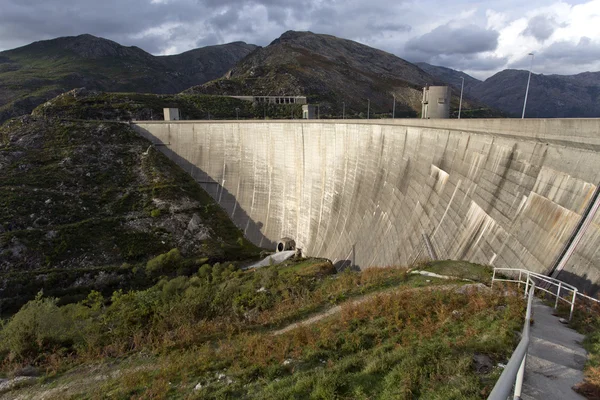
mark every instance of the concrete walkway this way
{"type": "Point", "coordinates": [555, 359]}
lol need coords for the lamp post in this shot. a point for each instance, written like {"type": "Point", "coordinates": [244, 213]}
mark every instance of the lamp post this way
{"type": "Point", "coordinates": [343, 110]}
{"type": "Point", "coordinates": [318, 109]}
{"type": "Point", "coordinates": [368, 108]}
{"type": "Point", "coordinates": [462, 85]}
{"type": "Point", "coordinates": [237, 113]}
{"type": "Point", "coordinates": [394, 108]}
{"type": "Point", "coordinates": [527, 90]}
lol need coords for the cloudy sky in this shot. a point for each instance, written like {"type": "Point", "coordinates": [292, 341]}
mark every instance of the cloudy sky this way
{"type": "Point", "coordinates": [479, 37]}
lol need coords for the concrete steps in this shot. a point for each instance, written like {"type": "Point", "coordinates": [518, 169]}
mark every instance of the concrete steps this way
{"type": "Point", "coordinates": [555, 359]}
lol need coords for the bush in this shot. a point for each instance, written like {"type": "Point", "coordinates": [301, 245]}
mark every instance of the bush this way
{"type": "Point", "coordinates": [164, 263]}
{"type": "Point", "coordinates": [39, 326]}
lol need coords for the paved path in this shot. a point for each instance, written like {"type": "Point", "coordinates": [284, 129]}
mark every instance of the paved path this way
{"type": "Point", "coordinates": [555, 359]}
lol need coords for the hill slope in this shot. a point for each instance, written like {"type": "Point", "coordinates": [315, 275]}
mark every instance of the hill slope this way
{"type": "Point", "coordinates": [550, 96]}
{"type": "Point", "coordinates": [328, 70]}
{"type": "Point", "coordinates": [35, 73]}
{"type": "Point", "coordinates": [80, 199]}
{"type": "Point", "coordinates": [450, 76]}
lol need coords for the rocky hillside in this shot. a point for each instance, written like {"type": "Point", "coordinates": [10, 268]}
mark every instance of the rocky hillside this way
{"type": "Point", "coordinates": [550, 96]}
{"type": "Point", "coordinates": [35, 73]}
{"type": "Point", "coordinates": [86, 204]}
{"type": "Point", "coordinates": [450, 76]}
{"type": "Point", "coordinates": [330, 71]}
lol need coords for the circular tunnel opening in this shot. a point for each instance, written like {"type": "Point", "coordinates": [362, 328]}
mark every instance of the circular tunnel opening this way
{"type": "Point", "coordinates": [286, 243]}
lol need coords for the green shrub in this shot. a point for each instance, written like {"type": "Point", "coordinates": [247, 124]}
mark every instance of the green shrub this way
{"type": "Point", "coordinates": [164, 263]}
{"type": "Point", "coordinates": [39, 326]}
{"type": "Point", "coordinates": [205, 272]}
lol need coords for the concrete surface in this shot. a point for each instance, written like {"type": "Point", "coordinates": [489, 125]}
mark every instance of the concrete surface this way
{"type": "Point", "coordinates": [503, 192]}
{"type": "Point", "coordinates": [273, 259]}
{"type": "Point", "coordinates": [555, 358]}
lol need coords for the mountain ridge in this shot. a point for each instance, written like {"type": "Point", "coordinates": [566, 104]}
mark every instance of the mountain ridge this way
{"type": "Point", "coordinates": [338, 74]}
{"type": "Point", "coordinates": [550, 96]}
{"type": "Point", "coordinates": [35, 73]}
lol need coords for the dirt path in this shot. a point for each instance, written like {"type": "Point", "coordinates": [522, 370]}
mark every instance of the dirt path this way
{"type": "Point", "coordinates": [338, 308]}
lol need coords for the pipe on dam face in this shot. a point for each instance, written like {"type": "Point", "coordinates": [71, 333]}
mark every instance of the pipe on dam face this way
{"type": "Point", "coordinates": [504, 192]}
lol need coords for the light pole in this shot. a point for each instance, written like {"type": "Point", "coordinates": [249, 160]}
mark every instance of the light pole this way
{"type": "Point", "coordinates": [527, 90]}
{"type": "Point", "coordinates": [368, 108]}
{"type": "Point", "coordinates": [343, 110]}
{"type": "Point", "coordinates": [318, 108]}
{"type": "Point", "coordinates": [237, 113]}
{"type": "Point", "coordinates": [394, 108]}
{"type": "Point", "coordinates": [462, 86]}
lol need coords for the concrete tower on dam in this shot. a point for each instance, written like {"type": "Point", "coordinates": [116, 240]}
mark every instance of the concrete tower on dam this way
{"type": "Point", "coordinates": [503, 192]}
{"type": "Point", "coordinates": [436, 102]}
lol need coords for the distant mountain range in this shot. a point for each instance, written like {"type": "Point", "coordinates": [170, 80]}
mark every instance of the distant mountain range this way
{"type": "Point", "coordinates": [337, 74]}
{"type": "Point", "coordinates": [550, 96]}
{"type": "Point", "coordinates": [35, 73]}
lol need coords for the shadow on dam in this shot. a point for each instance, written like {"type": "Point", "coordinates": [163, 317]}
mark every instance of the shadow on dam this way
{"type": "Point", "coordinates": [506, 193]}
{"type": "Point", "coordinates": [251, 228]}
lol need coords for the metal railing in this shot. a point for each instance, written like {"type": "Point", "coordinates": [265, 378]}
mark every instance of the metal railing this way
{"type": "Point", "coordinates": [561, 290]}
{"type": "Point", "coordinates": [515, 369]}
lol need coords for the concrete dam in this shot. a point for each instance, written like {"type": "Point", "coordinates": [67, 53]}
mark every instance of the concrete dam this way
{"type": "Point", "coordinates": [502, 192]}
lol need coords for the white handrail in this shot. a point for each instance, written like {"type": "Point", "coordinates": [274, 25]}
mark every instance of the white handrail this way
{"type": "Point", "coordinates": [559, 285]}
{"type": "Point", "coordinates": [515, 369]}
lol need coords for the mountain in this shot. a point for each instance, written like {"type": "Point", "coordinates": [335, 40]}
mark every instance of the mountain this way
{"type": "Point", "coordinates": [328, 70]}
{"type": "Point", "coordinates": [550, 96]}
{"type": "Point", "coordinates": [35, 73]}
{"type": "Point", "coordinates": [451, 76]}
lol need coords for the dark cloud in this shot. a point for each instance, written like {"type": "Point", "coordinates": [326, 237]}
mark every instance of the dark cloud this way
{"type": "Point", "coordinates": [541, 27]}
{"type": "Point", "coordinates": [446, 39]}
{"type": "Point", "coordinates": [584, 52]}
{"type": "Point", "coordinates": [160, 26]}
{"type": "Point", "coordinates": [563, 56]}
{"type": "Point", "coordinates": [467, 62]}
{"type": "Point", "coordinates": [22, 22]}
{"type": "Point", "coordinates": [389, 26]}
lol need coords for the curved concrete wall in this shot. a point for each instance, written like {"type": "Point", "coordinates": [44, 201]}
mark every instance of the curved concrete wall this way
{"type": "Point", "coordinates": [504, 192]}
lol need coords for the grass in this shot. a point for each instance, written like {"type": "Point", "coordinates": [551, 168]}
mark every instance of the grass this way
{"type": "Point", "coordinates": [586, 320]}
{"type": "Point", "coordinates": [215, 328]}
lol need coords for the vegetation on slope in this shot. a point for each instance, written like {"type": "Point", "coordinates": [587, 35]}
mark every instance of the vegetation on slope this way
{"type": "Point", "coordinates": [140, 277]}
{"type": "Point", "coordinates": [586, 320]}
{"type": "Point", "coordinates": [89, 105]}
{"type": "Point", "coordinates": [210, 336]}
{"type": "Point", "coordinates": [83, 203]}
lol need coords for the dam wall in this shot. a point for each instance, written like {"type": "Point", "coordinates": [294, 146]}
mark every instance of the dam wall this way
{"type": "Point", "coordinates": [503, 192]}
